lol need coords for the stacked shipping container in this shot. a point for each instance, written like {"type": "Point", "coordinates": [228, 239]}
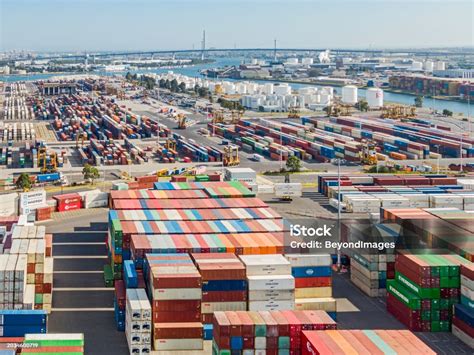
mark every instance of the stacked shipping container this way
{"type": "Point", "coordinates": [265, 332]}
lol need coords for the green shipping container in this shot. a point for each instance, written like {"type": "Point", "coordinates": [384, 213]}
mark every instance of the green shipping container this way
{"type": "Point", "coordinates": [422, 292]}
{"type": "Point", "coordinates": [403, 294]}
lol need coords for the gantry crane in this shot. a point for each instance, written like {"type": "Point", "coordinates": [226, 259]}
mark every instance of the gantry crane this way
{"type": "Point", "coordinates": [398, 112]}
{"type": "Point", "coordinates": [170, 144]}
{"type": "Point", "coordinates": [80, 136]}
{"type": "Point", "coordinates": [47, 163]}
{"type": "Point", "coordinates": [181, 121]}
{"type": "Point", "coordinates": [294, 112]}
{"type": "Point", "coordinates": [231, 156]}
{"type": "Point", "coordinates": [337, 110]}
{"type": "Point", "coordinates": [368, 154]}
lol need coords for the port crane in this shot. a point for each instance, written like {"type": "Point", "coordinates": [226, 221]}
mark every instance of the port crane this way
{"type": "Point", "coordinates": [181, 121]}
{"type": "Point", "coordinates": [82, 136]}
{"type": "Point", "coordinates": [231, 156]}
{"type": "Point", "coordinates": [339, 110]}
{"type": "Point", "coordinates": [294, 112]}
{"type": "Point", "coordinates": [47, 164]}
{"type": "Point", "coordinates": [219, 117]}
{"type": "Point", "coordinates": [398, 112]}
{"type": "Point", "coordinates": [368, 154]}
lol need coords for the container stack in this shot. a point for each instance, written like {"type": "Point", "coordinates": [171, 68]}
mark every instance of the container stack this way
{"type": "Point", "coordinates": [138, 321]}
{"type": "Point", "coordinates": [463, 318]}
{"type": "Point", "coordinates": [424, 290]}
{"type": "Point", "coordinates": [54, 343]}
{"type": "Point", "coordinates": [120, 301]}
{"type": "Point", "coordinates": [176, 292]}
{"type": "Point", "coordinates": [34, 245]}
{"type": "Point", "coordinates": [265, 332]}
{"type": "Point", "coordinates": [68, 202]}
{"type": "Point", "coordinates": [369, 272]}
{"type": "Point", "coordinates": [313, 282]}
{"type": "Point", "coordinates": [270, 283]}
{"type": "Point", "coordinates": [362, 342]}
{"type": "Point", "coordinates": [17, 323]}
{"type": "Point", "coordinates": [224, 284]}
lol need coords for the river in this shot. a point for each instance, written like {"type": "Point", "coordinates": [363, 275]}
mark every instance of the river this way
{"type": "Point", "coordinates": [406, 99]}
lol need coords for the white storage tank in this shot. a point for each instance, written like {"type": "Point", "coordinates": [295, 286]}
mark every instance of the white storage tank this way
{"type": "Point", "coordinates": [282, 89]}
{"type": "Point", "coordinates": [268, 88]}
{"type": "Point", "coordinates": [374, 97]}
{"type": "Point", "coordinates": [429, 65]}
{"type": "Point", "coordinates": [440, 65]}
{"type": "Point", "coordinates": [415, 65]}
{"type": "Point", "coordinates": [307, 61]}
{"type": "Point", "coordinates": [292, 61]}
{"type": "Point", "coordinates": [349, 94]}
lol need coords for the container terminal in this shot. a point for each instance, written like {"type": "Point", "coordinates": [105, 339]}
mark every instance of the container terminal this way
{"type": "Point", "coordinates": [236, 201]}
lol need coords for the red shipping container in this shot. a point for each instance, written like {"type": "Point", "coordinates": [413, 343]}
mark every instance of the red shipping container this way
{"type": "Point", "coordinates": [166, 317]}
{"type": "Point", "coordinates": [178, 330]}
{"type": "Point", "coordinates": [176, 305]}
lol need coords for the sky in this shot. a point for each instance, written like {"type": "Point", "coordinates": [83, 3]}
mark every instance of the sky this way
{"type": "Point", "coordinates": [92, 25]}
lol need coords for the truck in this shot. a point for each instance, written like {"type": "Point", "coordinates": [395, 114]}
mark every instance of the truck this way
{"type": "Point", "coordinates": [257, 157]}
{"type": "Point", "coordinates": [51, 177]}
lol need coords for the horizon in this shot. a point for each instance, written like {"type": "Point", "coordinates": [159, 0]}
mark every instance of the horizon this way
{"type": "Point", "coordinates": [117, 25]}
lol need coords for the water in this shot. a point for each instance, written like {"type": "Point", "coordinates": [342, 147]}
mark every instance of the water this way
{"type": "Point", "coordinates": [194, 71]}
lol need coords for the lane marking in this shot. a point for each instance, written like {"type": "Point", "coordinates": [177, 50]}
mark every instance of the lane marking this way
{"type": "Point", "coordinates": [78, 243]}
{"type": "Point", "coordinates": [80, 272]}
{"type": "Point", "coordinates": [80, 257]}
{"type": "Point", "coordinates": [65, 289]}
{"type": "Point", "coordinates": [104, 309]}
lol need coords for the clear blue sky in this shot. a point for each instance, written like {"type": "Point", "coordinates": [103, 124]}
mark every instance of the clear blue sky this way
{"type": "Point", "coordinates": [171, 24]}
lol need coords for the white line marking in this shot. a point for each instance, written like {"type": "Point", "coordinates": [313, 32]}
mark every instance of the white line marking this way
{"type": "Point", "coordinates": [80, 272]}
{"type": "Point", "coordinates": [82, 309]}
{"type": "Point", "coordinates": [83, 289]}
{"type": "Point", "coordinates": [80, 243]}
{"type": "Point", "coordinates": [80, 257]}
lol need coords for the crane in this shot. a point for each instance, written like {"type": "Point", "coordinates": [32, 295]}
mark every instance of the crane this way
{"type": "Point", "coordinates": [181, 121]}
{"type": "Point", "coordinates": [368, 154]}
{"type": "Point", "coordinates": [82, 136]}
{"type": "Point", "coordinates": [231, 156]}
{"type": "Point", "coordinates": [294, 112]}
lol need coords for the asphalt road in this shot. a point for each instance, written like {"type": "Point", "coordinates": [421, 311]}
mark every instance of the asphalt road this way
{"type": "Point", "coordinates": [81, 303]}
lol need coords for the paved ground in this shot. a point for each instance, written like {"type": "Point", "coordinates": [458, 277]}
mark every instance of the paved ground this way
{"type": "Point", "coordinates": [82, 304]}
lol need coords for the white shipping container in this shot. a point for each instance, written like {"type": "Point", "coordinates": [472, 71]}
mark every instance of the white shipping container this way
{"type": "Point", "coordinates": [265, 295]}
{"type": "Point", "coordinates": [301, 260]}
{"type": "Point", "coordinates": [211, 307]}
{"type": "Point", "coordinates": [273, 282]}
{"type": "Point", "coordinates": [270, 264]}
{"type": "Point", "coordinates": [177, 294]}
{"type": "Point", "coordinates": [293, 189]}
{"type": "Point", "coordinates": [178, 344]}
{"type": "Point", "coordinates": [279, 305]}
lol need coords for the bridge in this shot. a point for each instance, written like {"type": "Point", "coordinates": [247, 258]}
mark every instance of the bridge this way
{"type": "Point", "coordinates": [423, 53]}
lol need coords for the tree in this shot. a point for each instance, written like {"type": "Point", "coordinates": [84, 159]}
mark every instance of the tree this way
{"type": "Point", "coordinates": [419, 101]}
{"type": "Point", "coordinates": [90, 173]}
{"type": "Point", "coordinates": [203, 92]}
{"type": "Point", "coordinates": [128, 76]}
{"type": "Point", "coordinates": [293, 163]}
{"type": "Point", "coordinates": [23, 182]}
{"type": "Point", "coordinates": [363, 106]}
{"type": "Point", "coordinates": [447, 113]}
{"type": "Point", "coordinates": [162, 83]}
{"type": "Point", "coordinates": [196, 88]}
{"type": "Point", "coordinates": [182, 87]}
{"type": "Point", "coordinates": [174, 85]}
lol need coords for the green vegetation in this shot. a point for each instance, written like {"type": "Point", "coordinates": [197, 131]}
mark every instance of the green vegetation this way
{"type": "Point", "coordinates": [419, 101]}
{"type": "Point", "coordinates": [90, 173]}
{"type": "Point", "coordinates": [23, 182]}
{"type": "Point", "coordinates": [230, 104]}
{"type": "Point", "coordinates": [362, 106]}
{"type": "Point", "coordinates": [293, 164]}
{"type": "Point", "coordinates": [447, 113]}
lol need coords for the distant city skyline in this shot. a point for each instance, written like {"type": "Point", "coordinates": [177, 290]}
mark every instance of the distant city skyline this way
{"type": "Point", "coordinates": [93, 25]}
